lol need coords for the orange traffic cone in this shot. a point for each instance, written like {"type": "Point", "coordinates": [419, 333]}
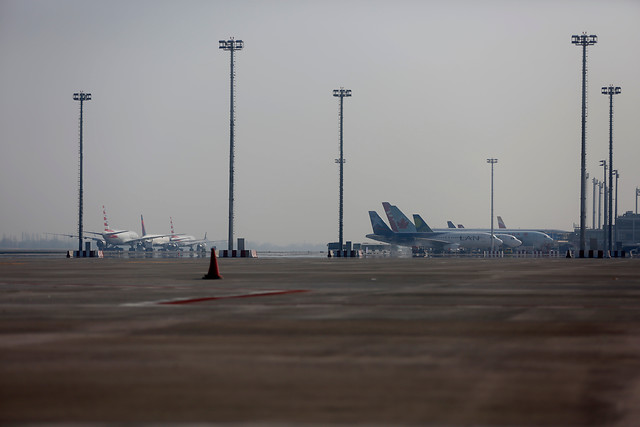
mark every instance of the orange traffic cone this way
{"type": "Point", "coordinates": [213, 267]}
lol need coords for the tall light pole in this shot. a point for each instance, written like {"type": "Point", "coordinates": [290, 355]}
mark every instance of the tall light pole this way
{"type": "Point", "coordinates": [603, 163]}
{"type": "Point", "coordinates": [341, 93]}
{"type": "Point", "coordinates": [492, 162]}
{"type": "Point", "coordinates": [610, 91]}
{"type": "Point", "coordinates": [583, 40]}
{"type": "Point", "coordinates": [231, 46]}
{"type": "Point", "coordinates": [586, 199]}
{"type": "Point", "coordinates": [615, 216]}
{"type": "Point", "coordinates": [80, 96]}
{"type": "Point", "coordinates": [600, 185]}
{"type": "Point", "coordinates": [637, 194]}
{"type": "Point", "coordinates": [595, 184]}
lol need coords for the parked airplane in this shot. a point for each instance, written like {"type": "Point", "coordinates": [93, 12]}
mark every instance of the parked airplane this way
{"type": "Point", "coordinates": [404, 225]}
{"type": "Point", "coordinates": [555, 234]}
{"type": "Point", "coordinates": [450, 225]}
{"type": "Point", "coordinates": [438, 240]}
{"type": "Point", "coordinates": [508, 240]}
{"type": "Point", "coordinates": [529, 238]}
{"type": "Point", "coordinates": [114, 238]}
{"type": "Point", "coordinates": [151, 240]}
{"type": "Point", "coordinates": [178, 241]}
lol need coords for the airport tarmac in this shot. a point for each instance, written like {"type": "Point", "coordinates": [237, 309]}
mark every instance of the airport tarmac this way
{"type": "Point", "coordinates": [316, 341]}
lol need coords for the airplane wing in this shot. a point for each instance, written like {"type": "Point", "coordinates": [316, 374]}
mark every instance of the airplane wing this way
{"type": "Point", "coordinates": [75, 236]}
{"type": "Point", "coordinates": [106, 232]}
{"type": "Point", "coordinates": [436, 243]}
{"type": "Point", "coordinates": [188, 242]}
{"type": "Point", "coordinates": [147, 238]}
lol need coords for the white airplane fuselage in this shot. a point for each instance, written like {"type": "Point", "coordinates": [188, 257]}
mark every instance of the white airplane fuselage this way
{"type": "Point", "coordinates": [508, 241]}
{"type": "Point", "coordinates": [160, 241]}
{"type": "Point", "coordinates": [182, 238]}
{"type": "Point", "coordinates": [119, 237]}
{"type": "Point", "coordinates": [529, 238]}
{"type": "Point", "coordinates": [405, 233]}
{"type": "Point", "coordinates": [468, 240]}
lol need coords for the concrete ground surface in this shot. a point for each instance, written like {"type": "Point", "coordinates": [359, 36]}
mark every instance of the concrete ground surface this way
{"type": "Point", "coordinates": [316, 341]}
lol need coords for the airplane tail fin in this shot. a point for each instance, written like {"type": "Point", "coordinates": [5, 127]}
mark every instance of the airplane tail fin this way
{"type": "Point", "coordinates": [173, 233]}
{"type": "Point", "coordinates": [404, 224]}
{"type": "Point", "coordinates": [379, 226]}
{"type": "Point", "coordinates": [421, 225]}
{"type": "Point", "coordinates": [392, 221]}
{"type": "Point", "coordinates": [398, 219]}
{"type": "Point", "coordinates": [450, 224]}
{"type": "Point", "coordinates": [106, 224]}
{"type": "Point", "coordinates": [144, 232]}
{"type": "Point", "coordinates": [501, 222]}
{"type": "Point", "coordinates": [460, 226]}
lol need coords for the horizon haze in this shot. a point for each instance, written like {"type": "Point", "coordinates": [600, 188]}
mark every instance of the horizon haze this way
{"type": "Point", "coordinates": [437, 87]}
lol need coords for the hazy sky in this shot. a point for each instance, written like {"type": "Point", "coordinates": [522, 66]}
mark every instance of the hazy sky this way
{"type": "Point", "coordinates": [438, 87]}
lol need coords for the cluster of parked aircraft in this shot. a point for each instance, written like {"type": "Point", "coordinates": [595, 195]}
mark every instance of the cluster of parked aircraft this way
{"type": "Point", "coordinates": [113, 239]}
{"type": "Point", "coordinates": [403, 232]}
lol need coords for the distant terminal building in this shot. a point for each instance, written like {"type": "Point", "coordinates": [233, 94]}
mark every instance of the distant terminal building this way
{"type": "Point", "coordinates": [348, 250]}
{"type": "Point", "coordinates": [360, 249]}
{"type": "Point", "coordinates": [626, 234]}
{"type": "Point", "coordinates": [627, 230]}
{"type": "Point", "coordinates": [369, 248]}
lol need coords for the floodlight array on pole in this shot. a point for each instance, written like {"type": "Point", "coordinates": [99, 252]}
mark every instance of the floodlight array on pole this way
{"type": "Point", "coordinates": [341, 93]}
{"type": "Point", "coordinates": [80, 96]}
{"type": "Point", "coordinates": [583, 40]}
{"type": "Point", "coordinates": [610, 91]}
{"type": "Point", "coordinates": [231, 46]}
{"type": "Point", "coordinates": [492, 162]}
{"type": "Point", "coordinates": [637, 194]}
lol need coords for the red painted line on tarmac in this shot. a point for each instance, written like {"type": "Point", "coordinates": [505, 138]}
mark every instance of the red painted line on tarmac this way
{"type": "Point", "coordinates": [257, 294]}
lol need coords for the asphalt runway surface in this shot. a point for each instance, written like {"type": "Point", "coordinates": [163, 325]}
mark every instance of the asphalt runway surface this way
{"type": "Point", "coordinates": [316, 341]}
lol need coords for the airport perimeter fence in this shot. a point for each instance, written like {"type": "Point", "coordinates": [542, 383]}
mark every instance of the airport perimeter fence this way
{"type": "Point", "coordinates": [524, 254]}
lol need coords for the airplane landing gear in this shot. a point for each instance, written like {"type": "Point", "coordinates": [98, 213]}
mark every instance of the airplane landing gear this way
{"type": "Point", "coordinates": [418, 252]}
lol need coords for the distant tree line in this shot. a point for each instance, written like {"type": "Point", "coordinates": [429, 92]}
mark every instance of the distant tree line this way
{"type": "Point", "coordinates": [36, 241]}
{"type": "Point", "coordinates": [50, 241]}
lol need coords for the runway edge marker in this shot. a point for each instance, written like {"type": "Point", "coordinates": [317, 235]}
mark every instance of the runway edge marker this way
{"type": "Point", "coordinates": [213, 273]}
